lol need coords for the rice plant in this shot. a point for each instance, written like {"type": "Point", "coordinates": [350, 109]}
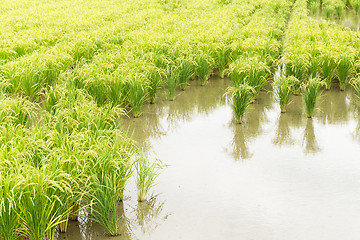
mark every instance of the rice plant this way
{"type": "Point", "coordinates": [344, 69]}
{"type": "Point", "coordinates": [241, 95]}
{"type": "Point", "coordinates": [311, 93]}
{"type": "Point", "coordinates": [328, 67]}
{"type": "Point", "coordinates": [187, 71]}
{"type": "Point", "coordinates": [284, 87]}
{"type": "Point", "coordinates": [204, 65]}
{"type": "Point", "coordinates": [155, 80]}
{"type": "Point", "coordinates": [9, 203]}
{"type": "Point", "coordinates": [356, 5]}
{"type": "Point", "coordinates": [356, 85]}
{"type": "Point", "coordinates": [41, 202]}
{"type": "Point", "coordinates": [172, 79]}
{"type": "Point", "coordinates": [146, 174]}
{"type": "Point", "coordinates": [137, 93]}
{"type": "Point", "coordinates": [52, 97]}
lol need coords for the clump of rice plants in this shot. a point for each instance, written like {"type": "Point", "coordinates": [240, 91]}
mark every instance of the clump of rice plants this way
{"type": "Point", "coordinates": [137, 93]}
{"type": "Point", "coordinates": [356, 5]}
{"type": "Point", "coordinates": [146, 174]}
{"type": "Point", "coordinates": [284, 87]}
{"type": "Point", "coordinates": [242, 95]}
{"type": "Point", "coordinates": [328, 67]}
{"type": "Point", "coordinates": [41, 202]}
{"type": "Point", "coordinates": [250, 70]}
{"type": "Point", "coordinates": [223, 59]}
{"type": "Point", "coordinates": [344, 69]}
{"type": "Point", "coordinates": [315, 6]}
{"type": "Point", "coordinates": [172, 80]}
{"type": "Point", "coordinates": [329, 10]}
{"type": "Point", "coordinates": [155, 79]}
{"type": "Point", "coordinates": [108, 175]}
{"type": "Point", "coordinates": [52, 97]}
{"type": "Point", "coordinates": [187, 71]}
{"type": "Point", "coordinates": [311, 93]}
{"type": "Point", "coordinates": [356, 85]}
{"type": "Point", "coordinates": [204, 65]}
{"type": "Point", "coordinates": [9, 203]}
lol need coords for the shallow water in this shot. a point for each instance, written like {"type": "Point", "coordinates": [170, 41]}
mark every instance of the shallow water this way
{"type": "Point", "coordinates": [349, 18]}
{"type": "Point", "coordinates": [276, 176]}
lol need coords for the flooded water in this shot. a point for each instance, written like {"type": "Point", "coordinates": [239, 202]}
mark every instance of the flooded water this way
{"type": "Point", "coordinates": [276, 176]}
{"type": "Point", "coordinates": [349, 18]}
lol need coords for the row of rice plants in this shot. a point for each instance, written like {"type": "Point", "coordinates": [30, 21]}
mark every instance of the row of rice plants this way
{"type": "Point", "coordinates": [256, 56]}
{"type": "Point", "coordinates": [72, 157]}
{"type": "Point", "coordinates": [315, 55]}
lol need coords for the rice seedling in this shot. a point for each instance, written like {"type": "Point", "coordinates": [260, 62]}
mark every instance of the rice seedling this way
{"type": "Point", "coordinates": [311, 93]}
{"type": "Point", "coordinates": [344, 69]}
{"type": "Point", "coordinates": [204, 65]}
{"type": "Point", "coordinates": [146, 174]}
{"type": "Point", "coordinates": [284, 87]}
{"type": "Point", "coordinates": [137, 93]}
{"type": "Point", "coordinates": [242, 95]}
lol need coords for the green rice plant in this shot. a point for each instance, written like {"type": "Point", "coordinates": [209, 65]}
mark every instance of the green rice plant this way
{"type": "Point", "coordinates": [16, 110]}
{"type": "Point", "coordinates": [41, 202]}
{"type": "Point", "coordinates": [315, 6]}
{"type": "Point", "coordinates": [187, 71]}
{"type": "Point", "coordinates": [31, 83]}
{"type": "Point", "coordinates": [311, 92]}
{"type": "Point", "coordinates": [344, 69]}
{"type": "Point", "coordinates": [328, 67]}
{"type": "Point", "coordinates": [172, 79]}
{"type": "Point", "coordinates": [250, 70]}
{"type": "Point", "coordinates": [146, 174]}
{"type": "Point", "coordinates": [356, 85]}
{"type": "Point", "coordinates": [284, 87]}
{"type": "Point", "coordinates": [155, 80]}
{"type": "Point", "coordinates": [117, 90]}
{"type": "Point", "coordinates": [355, 5]}
{"type": "Point", "coordinates": [109, 173]}
{"type": "Point", "coordinates": [222, 59]}
{"type": "Point", "coordinates": [329, 10]}
{"type": "Point", "coordinates": [204, 65]}
{"type": "Point", "coordinates": [137, 93]}
{"type": "Point", "coordinates": [339, 7]}
{"type": "Point", "coordinates": [241, 95]}
{"type": "Point", "coordinates": [9, 196]}
{"type": "Point", "coordinates": [52, 97]}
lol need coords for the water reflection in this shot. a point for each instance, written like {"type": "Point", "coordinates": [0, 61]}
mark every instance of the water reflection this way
{"type": "Point", "coordinates": [149, 215]}
{"type": "Point", "coordinates": [309, 140]}
{"type": "Point", "coordinates": [239, 144]}
{"type": "Point", "coordinates": [334, 107]}
{"type": "Point", "coordinates": [349, 18]}
{"type": "Point", "coordinates": [283, 133]}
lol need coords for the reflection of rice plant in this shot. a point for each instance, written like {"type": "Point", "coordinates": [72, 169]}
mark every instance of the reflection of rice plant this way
{"type": "Point", "coordinates": [242, 95]}
{"type": "Point", "coordinates": [284, 87]}
{"type": "Point", "coordinates": [146, 174]}
{"type": "Point", "coordinates": [311, 91]}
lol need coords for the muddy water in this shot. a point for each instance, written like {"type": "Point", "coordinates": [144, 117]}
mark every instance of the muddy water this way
{"type": "Point", "coordinates": [276, 176]}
